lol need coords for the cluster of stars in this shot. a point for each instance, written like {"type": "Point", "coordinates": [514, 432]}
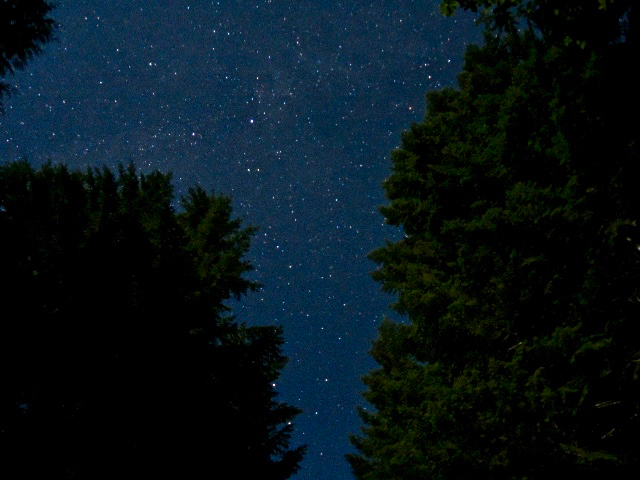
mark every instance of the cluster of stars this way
{"type": "Point", "coordinates": [291, 108]}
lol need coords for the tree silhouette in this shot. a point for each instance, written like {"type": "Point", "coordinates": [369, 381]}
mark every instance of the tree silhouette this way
{"type": "Point", "coordinates": [118, 356]}
{"type": "Point", "coordinates": [519, 268]}
{"type": "Point", "coordinates": [25, 27]}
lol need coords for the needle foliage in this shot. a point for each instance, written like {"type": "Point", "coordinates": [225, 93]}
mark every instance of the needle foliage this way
{"type": "Point", "coordinates": [118, 356]}
{"type": "Point", "coordinates": [519, 270]}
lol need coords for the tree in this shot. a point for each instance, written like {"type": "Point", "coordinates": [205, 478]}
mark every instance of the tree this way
{"type": "Point", "coordinates": [518, 270]}
{"type": "Point", "coordinates": [25, 27]}
{"type": "Point", "coordinates": [590, 23]}
{"type": "Point", "coordinates": [118, 356]}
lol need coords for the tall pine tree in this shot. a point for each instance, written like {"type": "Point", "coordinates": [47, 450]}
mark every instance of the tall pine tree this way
{"type": "Point", "coordinates": [118, 356]}
{"type": "Point", "coordinates": [519, 267]}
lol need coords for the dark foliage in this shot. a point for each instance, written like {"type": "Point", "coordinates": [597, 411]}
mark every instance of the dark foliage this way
{"type": "Point", "coordinates": [25, 27]}
{"type": "Point", "coordinates": [520, 266]}
{"type": "Point", "coordinates": [117, 355]}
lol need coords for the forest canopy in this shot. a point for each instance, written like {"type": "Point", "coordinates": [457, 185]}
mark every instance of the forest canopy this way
{"type": "Point", "coordinates": [519, 270]}
{"type": "Point", "coordinates": [118, 356]}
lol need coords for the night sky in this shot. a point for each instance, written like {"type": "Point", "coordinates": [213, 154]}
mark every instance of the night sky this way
{"type": "Point", "coordinates": [292, 108]}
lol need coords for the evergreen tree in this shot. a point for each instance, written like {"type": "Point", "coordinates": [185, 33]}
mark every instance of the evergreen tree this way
{"type": "Point", "coordinates": [118, 356]}
{"type": "Point", "coordinates": [519, 267]}
{"type": "Point", "coordinates": [25, 27]}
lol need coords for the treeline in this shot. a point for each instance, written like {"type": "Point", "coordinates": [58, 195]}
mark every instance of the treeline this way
{"type": "Point", "coordinates": [118, 357]}
{"type": "Point", "coordinates": [519, 270]}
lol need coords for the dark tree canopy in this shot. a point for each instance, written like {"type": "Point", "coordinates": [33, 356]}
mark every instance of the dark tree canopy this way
{"type": "Point", "coordinates": [583, 23]}
{"type": "Point", "coordinates": [118, 356]}
{"type": "Point", "coordinates": [519, 270]}
{"type": "Point", "coordinates": [25, 27]}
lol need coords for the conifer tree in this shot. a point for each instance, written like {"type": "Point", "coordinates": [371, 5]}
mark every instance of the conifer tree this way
{"type": "Point", "coordinates": [519, 267]}
{"type": "Point", "coordinates": [25, 27]}
{"type": "Point", "coordinates": [118, 355]}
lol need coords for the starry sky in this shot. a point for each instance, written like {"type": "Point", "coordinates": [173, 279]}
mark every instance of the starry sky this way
{"type": "Point", "coordinates": [292, 108]}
